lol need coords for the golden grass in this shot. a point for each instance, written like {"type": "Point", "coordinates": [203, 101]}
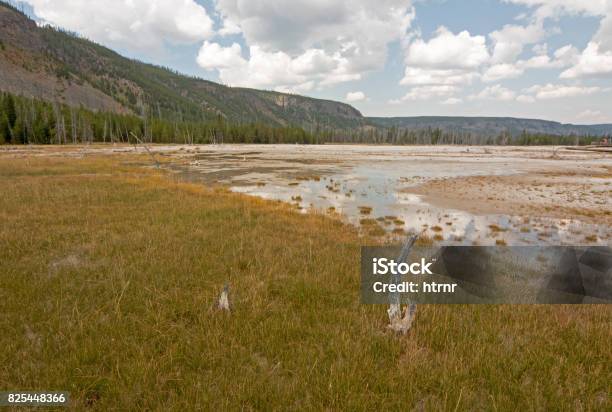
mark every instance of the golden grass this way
{"type": "Point", "coordinates": [496, 228]}
{"type": "Point", "coordinates": [365, 210]}
{"type": "Point", "coordinates": [110, 272]}
{"type": "Point", "coordinates": [316, 178]}
{"type": "Point", "coordinates": [376, 231]}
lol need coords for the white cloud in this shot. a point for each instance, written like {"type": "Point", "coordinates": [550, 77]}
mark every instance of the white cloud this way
{"type": "Point", "coordinates": [322, 42]}
{"type": "Point", "coordinates": [604, 34]}
{"type": "Point", "coordinates": [263, 69]}
{"type": "Point", "coordinates": [452, 100]}
{"type": "Point", "coordinates": [214, 56]}
{"type": "Point", "coordinates": [495, 92]}
{"type": "Point", "coordinates": [417, 76]}
{"type": "Point", "coordinates": [135, 24]}
{"type": "Point", "coordinates": [563, 57]}
{"type": "Point", "coordinates": [314, 61]}
{"type": "Point", "coordinates": [540, 49]}
{"type": "Point", "coordinates": [523, 98]}
{"type": "Point", "coordinates": [511, 39]}
{"type": "Point", "coordinates": [439, 66]}
{"type": "Point", "coordinates": [448, 51]}
{"type": "Point", "coordinates": [591, 62]}
{"type": "Point", "coordinates": [355, 96]}
{"type": "Point", "coordinates": [596, 58]}
{"type": "Point", "coordinates": [556, 91]}
{"type": "Point", "coordinates": [591, 116]}
{"type": "Point", "coordinates": [296, 25]}
{"type": "Point", "coordinates": [274, 70]}
{"type": "Point", "coordinates": [566, 55]}
{"type": "Point", "coordinates": [541, 61]}
{"type": "Point", "coordinates": [229, 28]}
{"type": "Point", "coordinates": [430, 92]}
{"type": "Point", "coordinates": [502, 71]}
{"type": "Point", "coordinates": [555, 8]}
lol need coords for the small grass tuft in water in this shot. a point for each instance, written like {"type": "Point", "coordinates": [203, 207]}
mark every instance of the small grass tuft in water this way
{"type": "Point", "coordinates": [365, 210]}
{"type": "Point", "coordinates": [376, 231]}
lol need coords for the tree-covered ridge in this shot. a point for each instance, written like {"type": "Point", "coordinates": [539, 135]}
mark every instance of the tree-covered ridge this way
{"type": "Point", "coordinates": [76, 90]}
{"type": "Point", "coordinates": [33, 121]}
{"type": "Point", "coordinates": [64, 59]}
{"type": "Point", "coordinates": [488, 127]}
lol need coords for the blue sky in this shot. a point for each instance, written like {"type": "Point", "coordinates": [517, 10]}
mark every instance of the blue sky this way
{"type": "Point", "coordinates": [549, 59]}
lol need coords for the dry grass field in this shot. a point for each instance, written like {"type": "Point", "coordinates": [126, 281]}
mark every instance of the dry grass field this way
{"type": "Point", "coordinates": [109, 273]}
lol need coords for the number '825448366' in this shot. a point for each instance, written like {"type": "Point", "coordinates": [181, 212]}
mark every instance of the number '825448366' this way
{"type": "Point", "coordinates": [34, 398]}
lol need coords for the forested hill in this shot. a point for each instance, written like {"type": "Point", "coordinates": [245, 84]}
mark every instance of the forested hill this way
{"type": "Point", "coordinates": [489, 126]}
{"type": "Point", "coordinates": [64, 88]}
{"type": "Point", "coordinates": [53, 65]}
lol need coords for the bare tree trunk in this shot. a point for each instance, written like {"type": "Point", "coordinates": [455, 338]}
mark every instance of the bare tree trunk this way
{"type": "Point", "coordinates": [73, 125]}
{"type": "Point", "coordinates": [397, 322]}
{"type": "Point", "coordinates": [147, 149]}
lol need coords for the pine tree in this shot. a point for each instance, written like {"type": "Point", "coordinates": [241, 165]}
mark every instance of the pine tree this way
{"type": "Point", "coordinates": [5, 131]}
{"type": "Point", "coordinates": [9, 110]}
{"type": "Point", "coordinates": [19, 132]}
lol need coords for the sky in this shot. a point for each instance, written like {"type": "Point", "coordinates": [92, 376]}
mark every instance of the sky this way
{"type": "Point", "coordinates": [547, 59]}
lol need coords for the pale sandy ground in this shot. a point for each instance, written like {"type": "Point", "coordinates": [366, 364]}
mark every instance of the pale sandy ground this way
{"type": "Point", "coordinates": [578, 192]}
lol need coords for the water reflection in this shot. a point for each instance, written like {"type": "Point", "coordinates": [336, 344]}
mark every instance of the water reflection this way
{"type": "Point", "coordinates": [381, 190]}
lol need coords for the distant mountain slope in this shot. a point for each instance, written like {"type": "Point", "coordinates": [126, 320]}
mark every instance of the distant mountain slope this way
{"type": "Point", "coordinates": [489, 126]}
{"type": "Point", "coordinates": [47, 63]}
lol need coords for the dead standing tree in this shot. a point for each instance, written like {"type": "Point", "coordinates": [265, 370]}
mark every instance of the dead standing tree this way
{"type": "Point", "coordinates": [146, 148]}
{"type": "Point", "coordinates": [397, 322]}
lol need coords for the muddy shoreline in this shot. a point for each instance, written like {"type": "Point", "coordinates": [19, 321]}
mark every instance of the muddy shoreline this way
{"type": "Point", "coordinates": [531, 194]}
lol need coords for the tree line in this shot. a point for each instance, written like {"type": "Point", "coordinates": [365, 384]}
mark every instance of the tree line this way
{"type": "Point", "coordinates": [32, 121]}
{"type": "Point", "coordinates": [26, 120]}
